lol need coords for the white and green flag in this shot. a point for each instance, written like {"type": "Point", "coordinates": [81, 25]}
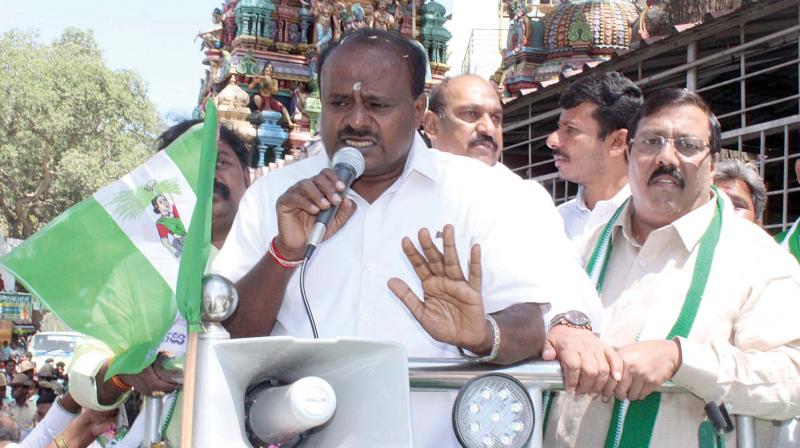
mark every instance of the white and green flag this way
{"type": "Point", "coordinates": [119, 265]}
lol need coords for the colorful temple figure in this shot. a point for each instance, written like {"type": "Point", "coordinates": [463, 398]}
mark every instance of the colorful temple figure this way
{"type": "Point", "coordinates": [382, 19]}
{"type": "Point", "coordinates": [298, 102]}
{"type": "Point", "coordinates": [229, 23]}
{"type": "Point", "coordinates": [520, 28]}
{"type": "Point", "coordinates": [212, 38]}
{"type": "Point", "coordinates": [326, 22]}
{"type": "Point", "coordinates": [263, 100]}
{"type": "Point", "coordinates": [169, 225]}
{"type": "Point", "coordinates": [353, 19]}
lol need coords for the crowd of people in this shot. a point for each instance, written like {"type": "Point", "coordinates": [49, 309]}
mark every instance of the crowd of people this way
{"type": "Point", "coordinates": [650, 274]}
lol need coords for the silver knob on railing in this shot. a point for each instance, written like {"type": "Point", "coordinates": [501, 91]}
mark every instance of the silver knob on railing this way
{"type": "Point", "coordinates": [219, 299]}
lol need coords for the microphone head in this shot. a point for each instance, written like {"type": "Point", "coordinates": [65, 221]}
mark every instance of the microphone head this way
{"type": "Point", "coordinates": [351, 157]}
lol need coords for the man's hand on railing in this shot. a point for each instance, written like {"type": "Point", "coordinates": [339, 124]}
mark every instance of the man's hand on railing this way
{"type": "Point", "coordinates": [587, 363]}
{"type": "Point", "coordinates": [648, 365]}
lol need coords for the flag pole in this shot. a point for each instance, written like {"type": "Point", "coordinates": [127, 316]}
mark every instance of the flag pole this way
{"type": "Point", "coordinates": [189, 376]}
{"type": "Point", "coordinates": [193, 264]}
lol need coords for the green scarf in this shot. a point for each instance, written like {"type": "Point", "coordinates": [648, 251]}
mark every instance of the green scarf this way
{"type": "Point", "coordinates": [174, 225]}
{"type": "Point", "coordinates": [632, 423]}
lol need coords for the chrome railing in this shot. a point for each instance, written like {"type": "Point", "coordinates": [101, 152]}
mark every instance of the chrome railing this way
{"type": "Point", "coordinates": [426, 374]}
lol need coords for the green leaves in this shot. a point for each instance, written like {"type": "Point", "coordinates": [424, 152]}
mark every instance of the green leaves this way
{"type": "Point", "coordinates": [68, 125]}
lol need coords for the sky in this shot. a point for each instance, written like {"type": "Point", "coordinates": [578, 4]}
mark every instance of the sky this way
{"type": "Point", "coordinates": [154, 38]}
{"type": "Point", "coordinates": [151, 37]}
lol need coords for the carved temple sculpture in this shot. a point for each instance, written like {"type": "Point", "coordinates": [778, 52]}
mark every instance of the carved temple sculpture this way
{"type": "Point", "coordinates": [262, 57]}
{"type": "Point", "coordinates": [545, 42]}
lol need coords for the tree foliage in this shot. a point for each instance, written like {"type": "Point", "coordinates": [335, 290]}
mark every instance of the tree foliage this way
{"type": "Point", "coordinates": [68, 125]}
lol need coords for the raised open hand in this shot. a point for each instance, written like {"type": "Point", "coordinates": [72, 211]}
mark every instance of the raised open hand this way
{"type": "Point", "coordinates": [452, 307]}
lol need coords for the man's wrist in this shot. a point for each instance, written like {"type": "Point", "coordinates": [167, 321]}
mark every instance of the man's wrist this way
{"type": "Point", "coordinates": [573, 319]}
{"type": "Point", "coordinates": [495, 348]}
{"type": "Point", "coordinates": [484, 347]}
{"type": "Point", "coordinates": [286, 253]}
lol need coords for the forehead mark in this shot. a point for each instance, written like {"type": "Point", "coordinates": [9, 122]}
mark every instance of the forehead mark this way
{"type": "Point", "coordinates": [357, 86]}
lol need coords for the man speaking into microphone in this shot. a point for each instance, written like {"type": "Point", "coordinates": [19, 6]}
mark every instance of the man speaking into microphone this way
{"type": "Point", "coordinates": [432, 250]}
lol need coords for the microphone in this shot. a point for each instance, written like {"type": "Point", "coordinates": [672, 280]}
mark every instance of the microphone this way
{"type": "Point", "coordinates": [348, 163]}
{"type": "Point", "coordinates": [277, 415]}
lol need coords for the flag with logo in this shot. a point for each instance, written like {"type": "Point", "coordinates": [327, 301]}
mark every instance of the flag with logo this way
{"type": "Point", "coordinates": [120, 265]}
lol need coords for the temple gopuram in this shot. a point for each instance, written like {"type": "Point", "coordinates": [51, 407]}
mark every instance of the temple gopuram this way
{"type": "Point", "coordinates": [261, 57]}
{"type": "Point", "coordinates": [546, 43]}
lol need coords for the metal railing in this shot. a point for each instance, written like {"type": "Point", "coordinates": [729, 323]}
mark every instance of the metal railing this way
{"type": "Point", "coordinates": [427, 374]}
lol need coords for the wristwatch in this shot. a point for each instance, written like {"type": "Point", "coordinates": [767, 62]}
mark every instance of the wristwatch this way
{"type": "Point", "coordinates": [572, 318]}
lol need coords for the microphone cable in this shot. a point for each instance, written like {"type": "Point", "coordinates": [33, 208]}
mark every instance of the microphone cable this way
{"type": "Point", "coordinates": [309, 313]}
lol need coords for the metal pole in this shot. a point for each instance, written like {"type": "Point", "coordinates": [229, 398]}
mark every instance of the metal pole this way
{"type": "Point", "coordinates": [745, 432]}
{"type": "Point", "coordinates": [448, 374]}
{"type": "Point", "coordinates": [153, 408]}
{"type": "Point", "coordinates": [742, 83]}
{"type": "Point", "coordinates": [691, 73]}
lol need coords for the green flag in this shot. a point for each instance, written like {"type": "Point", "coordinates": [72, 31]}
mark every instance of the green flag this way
{"type": "Point", "coordinates": [120, 264]}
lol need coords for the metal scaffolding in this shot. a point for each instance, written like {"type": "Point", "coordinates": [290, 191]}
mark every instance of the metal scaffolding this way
{"type": "Point", "coordinates": [745, 63]}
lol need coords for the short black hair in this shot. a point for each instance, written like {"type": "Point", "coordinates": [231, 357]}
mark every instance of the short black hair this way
{"type": "Point", "coordinates": [617, 99]}
{"type": "Point", "coordinates": [673, 96]}
{"type": "Point", "coordinates": [408, 50]}
{"type": "Point", "coordinates": [45, 396]}
{"type": "Point", "coordinates": [241, 147]}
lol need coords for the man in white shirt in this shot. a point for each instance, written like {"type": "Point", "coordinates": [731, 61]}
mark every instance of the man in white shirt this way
{"type": "Point", "coordinates": [692, 294]}
{"type": "Point", "coordinates": [372, 98]}
{"type": "Point", "coordinates": [465, 118]}
{"type": "Point", "coordinates": [589, 147]}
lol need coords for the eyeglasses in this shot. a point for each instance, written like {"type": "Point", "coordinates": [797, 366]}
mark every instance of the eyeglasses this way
{"type": "Point", "coordinates": [686, 146]}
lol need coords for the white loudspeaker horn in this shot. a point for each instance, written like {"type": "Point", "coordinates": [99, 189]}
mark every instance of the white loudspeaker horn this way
{"type": "Point", "coordinates": [360, 395]}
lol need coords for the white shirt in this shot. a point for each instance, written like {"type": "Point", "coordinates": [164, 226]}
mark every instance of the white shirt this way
{"type": "Point", "coordinates": [525, 255]}
{"type": "Point", "coordinates": [54, 423]}
{"type": "Point", "coordinates": [744, 345]}
{"type": "Point", "coordinates": [579, 220]}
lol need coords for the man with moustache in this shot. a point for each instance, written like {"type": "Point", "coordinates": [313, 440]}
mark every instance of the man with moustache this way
{"type": "Point", "coordinates": [366, 279]}
{"type": "Point", "coordinates": [692, 294]}
{"type": "Point", "coordinates": [465, 118]}
{"type": "Point", "coordinates": [589, 147]}
{"type": "Point", "coordinates": [87, 372]}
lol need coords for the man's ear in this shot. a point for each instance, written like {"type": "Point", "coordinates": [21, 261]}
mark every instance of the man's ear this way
{"type": "Point", "coordinates": [246, 174]}
{"type": "Point", "coordinates": [714, 161]}
{"type": "Point", "coordinates": [617, 142]}
{"type": "Point", "coordinates": [420, 104]}
{"type": "Point", "coordinates": [431, 124]}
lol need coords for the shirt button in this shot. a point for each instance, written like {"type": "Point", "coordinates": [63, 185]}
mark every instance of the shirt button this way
{"type": "Point", "coordinates": [642, 264]}
{"type": "Point", "coordinates": [370, 267]}
{"type": "Point", "coordinates": [365, 318]}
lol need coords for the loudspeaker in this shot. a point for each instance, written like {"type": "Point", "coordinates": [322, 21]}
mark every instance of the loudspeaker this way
{"type": "Point", "coordinates": [369, 378]}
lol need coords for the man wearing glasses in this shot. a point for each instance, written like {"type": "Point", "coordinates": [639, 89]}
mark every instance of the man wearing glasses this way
{"type": "Point", "coordinates": [691, 294]}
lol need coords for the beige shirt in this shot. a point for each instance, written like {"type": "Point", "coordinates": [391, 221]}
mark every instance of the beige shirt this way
{"type": "Point", "coordinates": [24, 416]}
{"type": "Point", "coordinates": [743, 347]}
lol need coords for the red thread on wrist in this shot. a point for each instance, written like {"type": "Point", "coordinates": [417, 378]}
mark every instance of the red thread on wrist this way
{"type": "Point", "coordinates": [280, 259]}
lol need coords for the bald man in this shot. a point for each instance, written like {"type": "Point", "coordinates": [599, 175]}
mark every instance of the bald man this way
{"type": "Point", "coordinates": [465, 117]}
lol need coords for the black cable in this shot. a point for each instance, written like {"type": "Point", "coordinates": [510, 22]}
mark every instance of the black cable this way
{"type": "Point", "coordinates": [305, 298]}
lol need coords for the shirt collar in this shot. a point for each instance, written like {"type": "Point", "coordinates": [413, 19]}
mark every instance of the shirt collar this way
{"type": "Point", "coordinates": [689, 227]}
{"type": "Point", "coordinates": [616, 200]}
{"type": "Point", "coordinates": [421, 159]}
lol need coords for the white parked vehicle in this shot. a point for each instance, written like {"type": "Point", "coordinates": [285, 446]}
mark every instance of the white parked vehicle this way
{"type": "Point", "coordinates": [57, 345]}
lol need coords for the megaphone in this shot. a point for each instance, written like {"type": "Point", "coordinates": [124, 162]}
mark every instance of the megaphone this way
{"type": "Point", "coordinates": [242, 384]}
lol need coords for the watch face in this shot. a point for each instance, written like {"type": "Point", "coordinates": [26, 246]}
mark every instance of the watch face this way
{"type": "Point", "coordinates": [577, 318]}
